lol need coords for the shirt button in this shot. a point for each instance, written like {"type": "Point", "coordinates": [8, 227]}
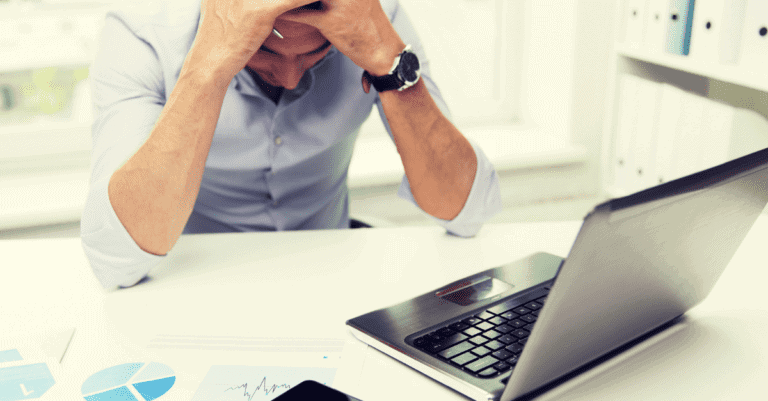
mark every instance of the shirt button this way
{"type": "Point", "coordinates": [278, 141]}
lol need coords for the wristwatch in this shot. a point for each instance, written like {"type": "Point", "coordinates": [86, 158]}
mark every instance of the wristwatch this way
{"type": "Point", "coordinates": [405, 72]}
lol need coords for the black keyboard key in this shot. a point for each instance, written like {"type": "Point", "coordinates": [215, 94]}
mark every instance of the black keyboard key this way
{"type": "Point", "coordinates": [509, 315]}
{"type": "Point", "coordinates": [433, 347]}
{"type": "Point", "coordinates": [517, 323]}
{"type": "Point", "coordinates": [485, 326]}
{"type": "Point", "coordinates": [533, 305]}
{"type": "Point", "coordinates": [522, 340]}
{"type": "Point", "coordinates": [481, 364]}
{"type": "Point", "coordinates": [481, 351]}
{"type": "Point", "coordinates": [513, 360]}
{"type": "Point", "coordinates": [454, 339]}
{"type": "Point", "coordinates": [503, 328]}
{"type": "Point", "coordinates": [488, 372]}
{"type": "Point", "coordinates": [514, 348]}
{"type": "Point", "coordinates": [535, 313]}
{"type": "Point", "coordinates": [497, 320]}
{"type": "Point", "coordinates": [456, 350]}
{"type": "Point", "coordinates": [494, 345]}
{"type": "Point", "coordinates": [445, 332]}
{"type": "Point", "coordinates": [472, 331]}
{"type": "Point", "coordinates": [521, 310]}
{"type": "Point", "coordinates": [503, 307]}
{"type": "Point", "coordinates": [491, 334]}
{"type": "Point", "coordinates": [435, 338]}
{"type": "Point", "coordinates": [502, 354]}
{"type": "Point", "coordinates": [507, 339]}
{"type": "Point", "coordinates": [458, 326]}
{"type": "Point", "coordinates": [520, 333]}
{"type": "Point", "coordinates": [528, 327]}
{"type": "Point", "coordinates": [420, 342]}
{"type": "Point", "coordinates": [528, 318]}
{"type": "Point", "coordinates": [472, 320]}
{"type": "Point", "coordinates": [463, 359]}
{"type": "Point", "coordinates": [485, 315]}
{"type": "Point", "coordinates": [478, 340]}
{"type": "Point", "coordinates": [501, 366]}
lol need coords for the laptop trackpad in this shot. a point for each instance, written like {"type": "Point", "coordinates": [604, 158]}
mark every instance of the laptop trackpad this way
{"type": "Point", "coordinates": [482, 288]}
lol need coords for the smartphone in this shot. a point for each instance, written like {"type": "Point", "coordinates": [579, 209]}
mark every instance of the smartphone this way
{"type": "Point", "coordinates": [310, 390]}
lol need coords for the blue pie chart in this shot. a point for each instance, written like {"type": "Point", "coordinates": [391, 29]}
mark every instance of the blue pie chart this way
{"type": "Point", "coordinates": [129, 382]}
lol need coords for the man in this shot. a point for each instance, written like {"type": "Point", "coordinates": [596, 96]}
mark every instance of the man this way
{"type": "Point", "coordinates": [241, 115]}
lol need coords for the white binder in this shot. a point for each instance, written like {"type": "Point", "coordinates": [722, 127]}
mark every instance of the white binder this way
{"type": "Point", "coordinates": [688, 143]}
{"type": "Point", "coordinates": [666, 132]}
{"type": "Point", "coordinates": [734, 12]}
{"type": "Point", "coordinates": [754, 38]}
{"type": "Point", "coordinates": [716, 131]}
{"type": "Point", "coordinates": [625, 134]}
{"type": "Point", "coordinates": [656, 18]}
{"type": "Point", "coordinates": [635, 15]}
{"type": "Point", "coordinates": [706, 29]}
{"type": "Point", "coordinates": [644, 149]}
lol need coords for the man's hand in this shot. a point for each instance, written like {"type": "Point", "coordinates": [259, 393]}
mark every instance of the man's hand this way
{"type": "Point", "coordinates": [231, 31]}
{"type": "Point", "coordinates": [360, 29]}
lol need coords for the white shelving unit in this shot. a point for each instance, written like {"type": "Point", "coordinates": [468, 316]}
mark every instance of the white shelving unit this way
{"type": "Point", "coordinates": [741, 84]}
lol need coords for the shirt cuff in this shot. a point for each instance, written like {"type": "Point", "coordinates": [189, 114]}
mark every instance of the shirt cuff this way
{"type": "Point", "coordinates": [114, 256]}
{"type": "Point", "coordinates": [483, 202]}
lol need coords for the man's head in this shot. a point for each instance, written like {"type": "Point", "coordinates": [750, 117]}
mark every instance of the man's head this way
{"type": "Point", "coordinates": [282, 62]}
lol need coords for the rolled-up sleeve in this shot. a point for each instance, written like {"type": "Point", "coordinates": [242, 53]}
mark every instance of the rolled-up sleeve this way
{"type": "Point", "coordinates": [484, 198]}
{"type": "Point", "coordinates": [128, 96]}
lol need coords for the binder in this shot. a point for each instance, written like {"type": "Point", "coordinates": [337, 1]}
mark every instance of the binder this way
{"type": "Point", "coordinates": [706, 29]}
{"type": "Point", "coordinates": [716, 131]}
{"type": "Point", "coordinates": [755, 37]}
{"type": "Point", "coordinates": [666, 132]}
{"type": "Point", "coordinates": [635, 14]}
{"type": "Point", "coordinates": [644, 149]}
{"type": "Point", "coordinates": [687, 146]}
{"type": "Point", "coordinates": [734, 12]}
{"type": "Point", "coordinates": [656, 25]}
{"type": "Point", "coordinates": [680, 14]}
{"type": "Point", "coordinates": [622, 27]}
{"type": "Point", "coordinates": [749, 133]}
{"type": "Point", "coordinates": [625, 129]}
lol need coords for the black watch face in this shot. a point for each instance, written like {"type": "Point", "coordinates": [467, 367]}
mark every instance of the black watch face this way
{"type": "Point", "coordinates": [409, 66]}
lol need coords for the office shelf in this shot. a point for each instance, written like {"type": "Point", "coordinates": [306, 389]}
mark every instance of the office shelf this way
{"type": "Point", "coordinates": [741, 86]}
{"type": "Point", "coordinates": [735, 74]}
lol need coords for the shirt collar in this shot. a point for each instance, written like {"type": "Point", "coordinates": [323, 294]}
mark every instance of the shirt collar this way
{"type": "Point", "coordinates": [245, 84]}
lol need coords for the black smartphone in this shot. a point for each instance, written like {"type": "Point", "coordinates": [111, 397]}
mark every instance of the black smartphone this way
{"type": "Point", "coordinates": [310, 390]}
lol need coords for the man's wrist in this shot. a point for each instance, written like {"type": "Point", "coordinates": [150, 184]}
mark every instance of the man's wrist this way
{"type": "Point", "coordinates": [387, 50]}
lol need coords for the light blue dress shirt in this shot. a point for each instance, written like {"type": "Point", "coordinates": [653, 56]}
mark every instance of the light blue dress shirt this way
{"type": "Point", "coordinates": [270, 166]}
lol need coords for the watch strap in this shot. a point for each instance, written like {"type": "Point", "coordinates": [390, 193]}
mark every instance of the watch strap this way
{"type": "Point", "coordinates": [384, 83]}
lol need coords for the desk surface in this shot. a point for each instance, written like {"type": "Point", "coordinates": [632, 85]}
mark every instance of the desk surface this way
{"type": "Point", "coordinates": [280, 284]}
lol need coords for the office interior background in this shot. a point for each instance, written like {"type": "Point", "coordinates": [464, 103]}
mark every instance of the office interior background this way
{"type": "Point", "coordinates": [574, 101]}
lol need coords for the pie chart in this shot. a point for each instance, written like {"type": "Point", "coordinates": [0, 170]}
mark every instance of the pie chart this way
{"type": "Point", "coordinates": [129, 382]}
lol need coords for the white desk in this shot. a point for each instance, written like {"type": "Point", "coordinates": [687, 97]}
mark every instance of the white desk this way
{"type": "Point", "coordinates": [306, 284]}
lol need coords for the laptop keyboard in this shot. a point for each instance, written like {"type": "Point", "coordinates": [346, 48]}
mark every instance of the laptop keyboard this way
{"type": "Point", "coordinates": [488, 343]}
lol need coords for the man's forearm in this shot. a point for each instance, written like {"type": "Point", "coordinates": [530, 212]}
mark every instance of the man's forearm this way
{"type": "Point", "coordinates": [439, 162]}
{"type": "Point", "coordinates": [154, 192]}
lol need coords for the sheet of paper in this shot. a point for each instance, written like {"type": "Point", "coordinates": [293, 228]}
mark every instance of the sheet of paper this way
{"type": "Point", "coordinates": [253, 368]}
{"type": "Point", "coordinates": [30, 367]}
{"type": "Point", "coordinates": [262, 383]}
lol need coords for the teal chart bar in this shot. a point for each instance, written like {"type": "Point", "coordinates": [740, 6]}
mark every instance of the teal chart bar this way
{"type": "Point", "coordinates": [129, 382]}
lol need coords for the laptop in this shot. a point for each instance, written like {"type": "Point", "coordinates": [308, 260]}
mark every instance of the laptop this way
{"type": "Point", "coordinates": [638, 263]}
